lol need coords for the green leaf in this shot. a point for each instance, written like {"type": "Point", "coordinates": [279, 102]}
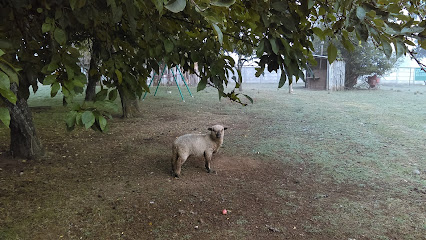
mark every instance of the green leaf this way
{"type": "Point", "coordinates": [78, 119]}
{"type": "Point", "coordinates": [360, 13]}
{"type": "Point", "coordinates": [280, 6]}
{"type": "Point", "coordinates": [379, 22]}
{"type": "Point", "coordinates": [117, 11]}
{"type": "Point", "coordinates": [222, 3]}
{"type": "Point", "coordinates": [9, 95]}
{"type": "Point", "coordinates": [400, 48]}
{"type": "Point", "coordinates": [168, 45]}
{"type": "Point", "coordinates": [81, 3]}
{"type": "Point", "coordinates": [11, 72]}
{"type": "Point", "coordinates": [274, 45]}
{"type": "Point", "coordinates": [218, 32]}
{"type": "Point", "coordinates": [80, 80]}
{"type": "Point", "coordinates": [283, 79]}
{"type": "Point", "coordinates": [52, 66]}
{"type": "Point", "coordinates": [286, 45]}
{"type": "Point", "coordinates": [106, 106]}
{"type": "Point", "coordinates": [259, 71]}
{"type": "Point", "coordinates": [102, 122]}
{"type": "Point", "coordinates": [317, 31]}
{"type": "Point", "coordinates": [387, 48]}
{"type": "Point", "coordinates": [88, 119]}
{"type": "Point", "coordinates": [348, 44]}
{"type": "Point", "coordinates": [113, 95]}
{"type": "Point", "coordinates": [260, 49]}
{"type": "Point", "coordinates": [55, 88]}
{"type": "Point", "coordinates": [119, 76]}
{"type": "Point", "coordinates": [411, 30]}
{"type": "Point", "coordinates": [1, 53]}
{"type": "Point", "coordinates": [131, 14]}
{"type": "Point", "coordinates": [5, 116]}
{"type": "Point", "coordinates": [49, 79]}
{"type": "Point", "coordinates": [362, 31]}
{"type": "Point", "coordinates": [71, 120]}
{"type": "Point", "coordinates": [46, 27]}
{"type": "Point", "coordinates": [310, 3]}
{"type": "Point", "coordinates": [60, 36]}
{"type": "Point", "coordinates": [393, 8]}
{"type": "Point", "coordinates": [176, 5]}
{"type": "Point", "coordinates": [408, 42]}
{"type": "Point", "coordinates": [371, 14]}
{"type": "Point", "coordinates": [58, 13]}
{"type": "Point", "coordinates": [77, 82]}
{"type": "Point", "coordinates": [158, 5]}
{"type": "Point", "coordinates": [202, 84]}
{"type": "Point", "coordinates": [70, 72]}
{"type": "Point", "coordinates": [4, 81]}
{"type": "Point", "coordinates": [73, 4]}
{"type": "Point", "coordinates": [332, 53]}
{"type": "Point", "coordinates": [249, 98]}
{"type": "Point", "coordinates": [101, 95]}
{"type": "Point", "coordinates": [142, 82]}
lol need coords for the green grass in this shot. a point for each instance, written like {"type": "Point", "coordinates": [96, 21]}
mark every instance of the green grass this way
{"type": "Point", "coordinates": [367, 141]}
{"type": "Point", "coordinates": [353, 136]}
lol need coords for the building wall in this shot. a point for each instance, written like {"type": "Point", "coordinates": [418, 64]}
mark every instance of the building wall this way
{"type": "Point", "coordinates": [320, 80]}
{"type": "Point", "coordinates": [249, 76]}
{"type": "Point", "coordinates": [328, 77]}
{"type": "Point", "coordinates": [336, 76]}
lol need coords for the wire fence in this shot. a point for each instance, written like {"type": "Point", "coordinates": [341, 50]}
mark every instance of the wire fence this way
{"type": "Point", "coordinates": [404, 75]}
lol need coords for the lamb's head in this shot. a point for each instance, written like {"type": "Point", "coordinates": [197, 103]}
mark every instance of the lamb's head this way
{"type": "Point", "coordinates": [217, 131]}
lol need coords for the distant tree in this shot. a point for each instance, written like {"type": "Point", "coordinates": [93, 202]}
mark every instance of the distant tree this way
{"type": "Point", "coordinates": [365, 59]}
{"type": "Point", "coordinates": [244, 53]}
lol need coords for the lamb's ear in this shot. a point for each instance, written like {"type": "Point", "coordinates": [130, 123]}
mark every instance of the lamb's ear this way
{"type": "Point", "coordinates": [210, 129]}
{"type": "Point", "coordinates": [225, 128]}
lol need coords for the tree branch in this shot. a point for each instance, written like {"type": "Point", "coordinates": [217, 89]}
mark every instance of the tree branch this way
{"type": "Point", "coordinates": [421, 65]}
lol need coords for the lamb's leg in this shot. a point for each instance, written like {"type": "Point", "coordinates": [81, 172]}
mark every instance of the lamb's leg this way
{"type": "Point", "coordinates": [178, 166]}
{"type": "Point", "coordinates": [175, 157]}
{"type": "Point", "coordinates": [208, 158]}
{"type": "Point", "coordinates": [174, 163]}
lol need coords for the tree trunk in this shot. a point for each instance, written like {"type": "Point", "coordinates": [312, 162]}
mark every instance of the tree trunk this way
{"type": "Point", "coordinates": [130, 107]}
{"type": "Point", "coordinates": [351, 81]}
{"type": "Point", "coordinates": [24, 142]}
{"type": "Point", "coordinates": [94, 75]}
{"type": "Point", "coordinates": [91, 87]}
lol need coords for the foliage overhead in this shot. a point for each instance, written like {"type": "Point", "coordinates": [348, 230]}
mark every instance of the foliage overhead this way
{"type": "Point", "coordinates": [136, 36]}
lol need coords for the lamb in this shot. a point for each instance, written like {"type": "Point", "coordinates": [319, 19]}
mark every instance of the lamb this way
{"type": "Point", "coordinates": [197, 145]}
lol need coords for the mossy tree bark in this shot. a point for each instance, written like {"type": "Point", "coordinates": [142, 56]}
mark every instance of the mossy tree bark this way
{"type": "Point", "coordinates": [94, 76]}
{"type": "Point", "coordinates": [24, 142]}
{"type": "Point", "coordinates": [130, 107]}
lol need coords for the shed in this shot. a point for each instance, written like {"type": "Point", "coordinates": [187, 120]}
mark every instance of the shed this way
{"type": "Point", "coordinates": [325, 76]}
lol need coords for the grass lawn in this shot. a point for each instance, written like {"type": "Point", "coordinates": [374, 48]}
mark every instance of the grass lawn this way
{"type": "Point", "coordinates": [308, 165]}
